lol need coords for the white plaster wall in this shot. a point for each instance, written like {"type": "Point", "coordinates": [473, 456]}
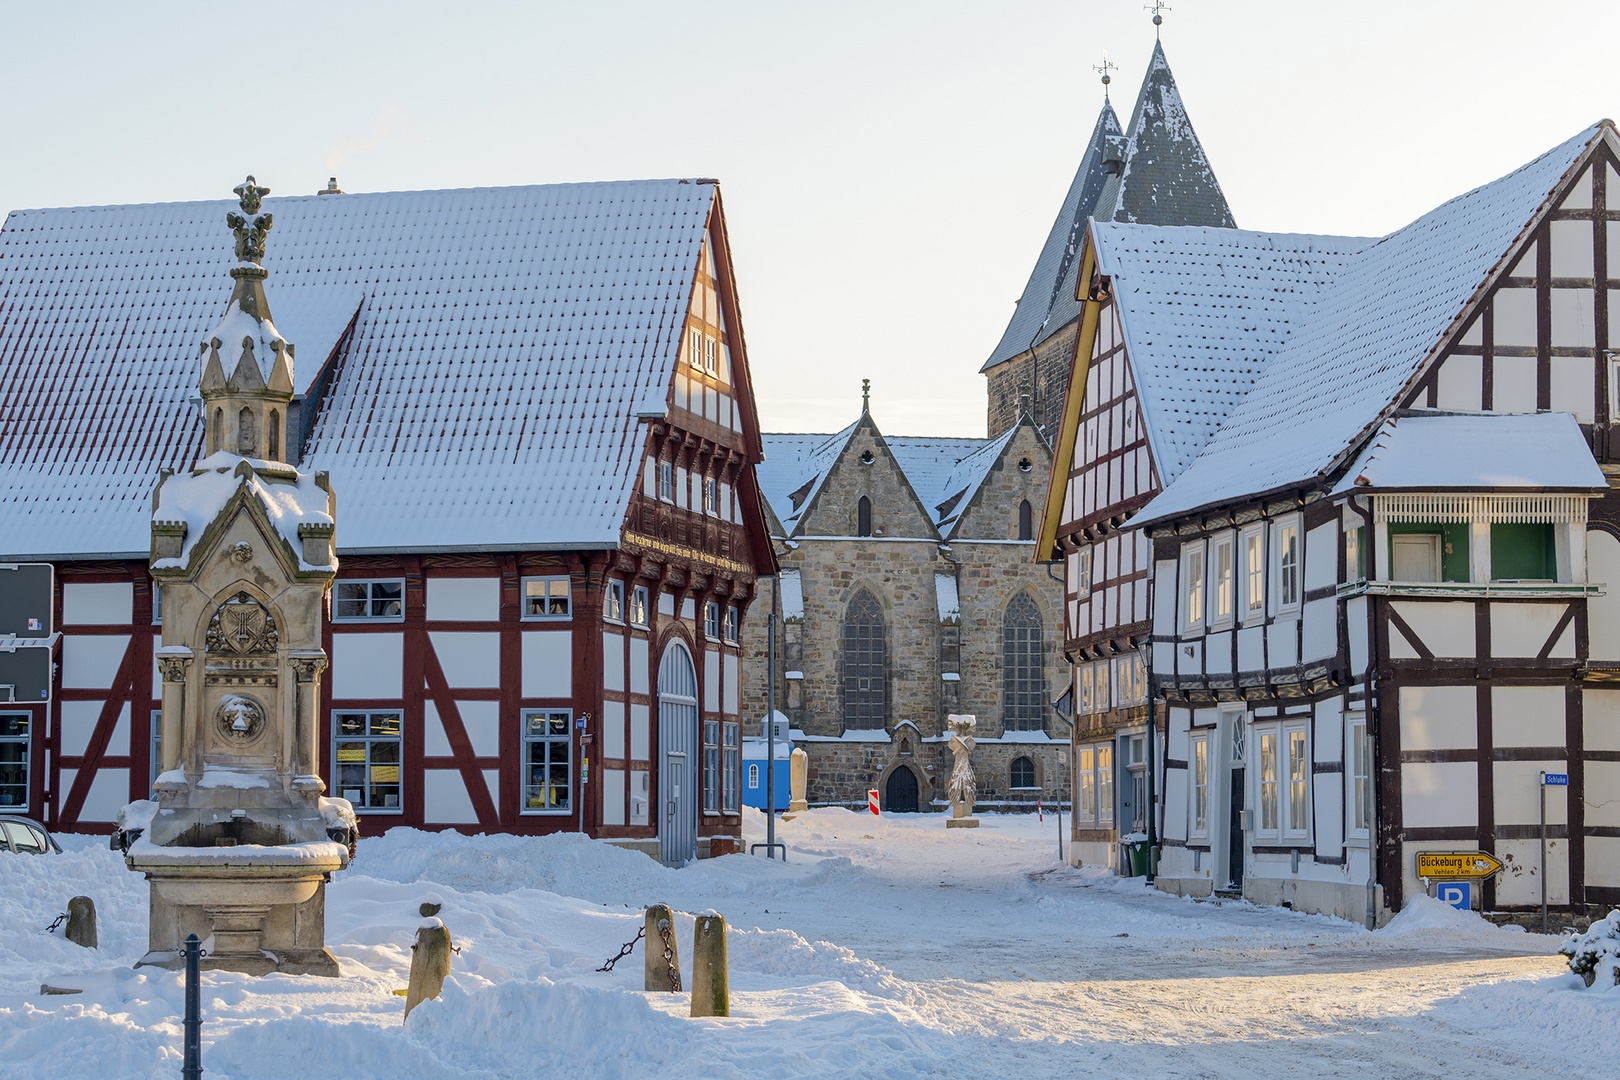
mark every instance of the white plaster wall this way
{"type": "Point", "coordinates": [1164, 657]}
{"type": "Point", "coordinates": [1251, 644]}
{"type": "Point", "coordinates": [711, 681]}
{"type": "Point", "coordinates": [1600, 716]}
{"type": "Point", "coordinates": [1446, 629]}
{"type": "Point", "coordinates": [1438, 718]}
{"type": "Point", "coordinates": [612, 661]}
{"type": "Point", "coordinates": [1527, 716]}
{"type": "Point", "coordinates": [1603, 612]}
{"type": "Point", "coordinates": [91, 663]}
{"type": "Point", "coordinates": [612, 796]}
{"type": "Point", "coordinates": [445, 800]}
{"type": "Point", "coordinates": [1164, 594]}
{"type": "Point", "coordinates": [731, 684]}
{"type": "Point", "coordinates": [108, 603]}
{"type": "Point", "coordinates": [1282, 642]}
{"type": "Point", "coordinates": [482, 720]}
{"type": "Point", "coordinates": [1218, 650]}
{"type": "Point", "coordinates": [108, 793]}
{"type": "Point", "coordinates": [1327, 740]}
{"type": "Point", "coordinates": [1355, 621]}
{"type": "Point", "coordinates": [1516, 787]}
{"type": "Point", "coordinates": [548, 664]}
{"type": "Point", "coordinates": [1177, 794]}
{"type": "Point", "coordinates": [1603, 860]}
{"type": "Point", "coordinates": [1190, 654]}
{"type": "Point", "coordinates": [79, 723]}
{"type": "Point", "coordinates": [1520, 883]}
{"type": "Point", "coordinates": [640, 739]}
{"type": "Point", "coordinates": [1603, 793]}
{"type": "Point", "coordinates": [367, 665]}
{"type": "Point", "coordinates": [639, 676]}
{"type": "Point", "coordinates": [1321, 629]}
{"type": "Point", "coordinates": [468, 659]}
{"type": "Point", "coordinates": [666, 604]}
{"type": "Point", "coordinates": [464, 599]}
{"type": "Point", "coordinates": [1461, 382]}
{"type": "Point", "coordinates": [1571, 376]}
{"type": "Point", "coordinates": [613, 729]}
{"type": "Point", "coordinates": [492, 781]}
{"type": "Point", "coordinates": [1322, 556]}
{"type": "Point", "coordinates": [1439, 794]}
{"type": "Point", "coordinates": [688, 609]}
{"type": "Point", "coordinates": [1522, 629]}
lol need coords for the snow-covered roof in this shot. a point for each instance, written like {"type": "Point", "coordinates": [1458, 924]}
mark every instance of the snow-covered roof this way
{"type": "Point", "coordinates": [1158, 174]}
{"type": "Point", "coordinates": [506, 339]}
{"type": "Point", "coordinates": [795, 467]}
{"type": "Point", "coordinates": [1203, 311]}
{"type": "Point", "coordinates": [1388, 310]}
{"type": "Point", "coordinates": [1476, 451]}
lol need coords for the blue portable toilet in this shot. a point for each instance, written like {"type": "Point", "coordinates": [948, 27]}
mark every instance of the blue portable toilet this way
{"type": "Point", "coordinates": [754, 765]}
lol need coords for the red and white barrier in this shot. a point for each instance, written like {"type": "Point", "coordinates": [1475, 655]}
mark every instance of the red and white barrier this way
{"type": "Point", "coordinates": [871, 801]}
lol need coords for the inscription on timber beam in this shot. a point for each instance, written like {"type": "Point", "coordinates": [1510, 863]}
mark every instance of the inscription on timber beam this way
{"type": "Point", "coordinates": [681, 551]}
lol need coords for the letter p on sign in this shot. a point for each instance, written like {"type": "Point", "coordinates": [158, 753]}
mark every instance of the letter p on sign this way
{"type": "Point", "coordinates": [1458, 894]}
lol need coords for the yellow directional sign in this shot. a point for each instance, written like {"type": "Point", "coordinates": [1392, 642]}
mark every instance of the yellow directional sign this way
{"type": "Point", "coordinates": [1457, 864]}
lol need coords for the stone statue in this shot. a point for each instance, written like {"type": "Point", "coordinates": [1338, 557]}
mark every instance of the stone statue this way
{"type": "Point", "coordinates": [961, 787]}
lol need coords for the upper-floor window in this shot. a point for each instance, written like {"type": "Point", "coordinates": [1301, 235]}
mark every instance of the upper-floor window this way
{"type": "Point", "coordinates": [694, 348]}
{"type": "Point", "coordinates": [1082, 573]}
{"type": "Point", "coordinates": [1026, 521]}
{"type": "Point", "coordinates": [546, 598]}
{"type": "Point", "coordinates": [1253, 542]}
{"type": "Point", "coordinates": [613, 602]}
{"type": "Point", "coordinates": [863, 517]}
{"type": "Point", "coordinates": [639, 602]}
{"type": "Point", "coordinates": [711, 621]}
{"type": "Point", "coordinates": [1285, 535]}
{"type": "Point", "coordinates": [372, 600]}
{"type": "Point", "coordinates": [711, 495]}
{"type": "Point", "coordinates": [666, 481]}
{"type": "Point", "coordinates": [711, 350]}
{"type": "Point", "coordinates": [1192, 586]}
{"type": "Point", "coordinates": [1222, 570]}
{"type": "Point", "coordinates": [1477, 538]}
{"type": "Point", "coordinates": [730, 628]}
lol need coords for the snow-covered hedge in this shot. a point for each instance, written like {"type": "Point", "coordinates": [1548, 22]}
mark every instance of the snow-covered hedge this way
{"type": "Point", "coordinates": [1595, 955]}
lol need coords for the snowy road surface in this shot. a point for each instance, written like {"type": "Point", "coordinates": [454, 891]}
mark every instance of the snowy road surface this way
{"type": "Point", "coordinates": [887, 948]}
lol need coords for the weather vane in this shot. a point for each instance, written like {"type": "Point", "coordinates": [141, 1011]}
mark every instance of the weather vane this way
{"type": "Point", "coordinates": [1158, 19]}
{"type": "Point", "coordinates": [1104, 68]}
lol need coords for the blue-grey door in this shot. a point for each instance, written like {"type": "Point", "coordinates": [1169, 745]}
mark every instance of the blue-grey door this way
{"type": "Point", "coordinates": [678, 747]}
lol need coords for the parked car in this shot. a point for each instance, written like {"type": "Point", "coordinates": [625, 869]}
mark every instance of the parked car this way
{"type": "Point", "coordinates": [27, 836]}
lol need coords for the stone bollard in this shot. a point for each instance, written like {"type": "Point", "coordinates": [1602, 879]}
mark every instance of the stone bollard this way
{"type": "Point", "coordinates": [711, 985]}
{"type": "Point", "coordinates": [798, 783]}
{"type": "Point", "coordinates": [661, 965]}
{"type": "Point", "coordinates": [81, 924]}
{"type": "Point", "coordinates": [430, 963]}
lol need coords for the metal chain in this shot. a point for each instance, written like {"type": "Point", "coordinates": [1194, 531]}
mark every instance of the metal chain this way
{"type": "Point", "coordinates": [58, 921]}
{"type": "Point", "coordinates": [669, 956]}
{"type": "Point", "coordinates": [628, 948]}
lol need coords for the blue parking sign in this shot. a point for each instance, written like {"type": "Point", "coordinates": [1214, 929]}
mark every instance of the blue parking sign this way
{"type": "Point", "coordinates": [1458, 894]}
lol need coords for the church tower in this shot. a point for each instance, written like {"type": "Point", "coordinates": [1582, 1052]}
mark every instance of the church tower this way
{"type": "Point", "coordinates": [247, 367]}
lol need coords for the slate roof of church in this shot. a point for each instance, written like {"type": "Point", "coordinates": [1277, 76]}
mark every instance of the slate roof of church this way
{"type": "Point", "coordinates": [1166, 180]}
{"type": "Point", "coordinates": [504, 341]}
{"type": "Point", "coordinates": [1389, 308]}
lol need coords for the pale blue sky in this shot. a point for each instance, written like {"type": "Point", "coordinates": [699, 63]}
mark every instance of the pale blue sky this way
{"type": "Point", "coordinates": [889, 169]}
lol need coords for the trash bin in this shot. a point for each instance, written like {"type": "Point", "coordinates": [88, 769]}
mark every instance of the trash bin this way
{"type": "Point", "coordinates": [1138, 851]}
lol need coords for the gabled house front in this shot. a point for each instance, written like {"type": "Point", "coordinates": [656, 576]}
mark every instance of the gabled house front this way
{"type": "Point", "coordinates": [1383, 582]}
{"type": "Point", "coordinates": [535, 411]}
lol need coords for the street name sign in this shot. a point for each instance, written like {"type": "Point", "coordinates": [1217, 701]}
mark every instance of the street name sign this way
{"type": "Point", "coordinates": [1457, 864]}
{"type": "Point", "coordinates": [1555, 779]}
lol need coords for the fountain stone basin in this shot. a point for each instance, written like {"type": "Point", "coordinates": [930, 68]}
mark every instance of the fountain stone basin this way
{"type": "Point", "coordinates": [263, 905]}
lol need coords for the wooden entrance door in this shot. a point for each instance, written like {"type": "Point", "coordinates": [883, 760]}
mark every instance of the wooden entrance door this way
{"type": "Point", "coordinates": [900, 792]}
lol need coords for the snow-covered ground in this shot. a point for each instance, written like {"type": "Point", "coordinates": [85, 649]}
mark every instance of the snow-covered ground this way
{"type": "Point", "coordinates": [886, 948]}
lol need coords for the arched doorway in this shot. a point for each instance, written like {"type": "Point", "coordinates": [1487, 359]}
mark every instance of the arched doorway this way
{"type": "Point", "coordinates": [900, 792]}
{"type": "Point", "coordinates": [678, 745]}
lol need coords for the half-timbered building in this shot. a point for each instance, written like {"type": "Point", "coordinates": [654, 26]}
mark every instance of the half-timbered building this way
{"type": "Point", "coordinates": [1383, 608]}
{"type": "Point", "coordinates": [535, 410]}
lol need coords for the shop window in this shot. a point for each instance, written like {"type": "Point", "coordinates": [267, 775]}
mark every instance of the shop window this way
{"type": "Point", "coordinates": [370, 601]}
{"type": "Point", "coordinates": [1523, 552]}
{"type": "Point", "coordinates": [546, 598]}
{"type": "Point", "coordinates": [14, 760]}
{"type": "Point", "coordinates": [1021, 774]}
{"type": "Point", "coordinates": [367, 752]}
{"type": "Point", "coordinates": [613, 602]}
{"type": "Point", "coordinates": [547, 761]}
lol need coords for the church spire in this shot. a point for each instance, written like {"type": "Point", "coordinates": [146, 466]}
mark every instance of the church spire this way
{"type": "Point", "coordinates": [247, 367]}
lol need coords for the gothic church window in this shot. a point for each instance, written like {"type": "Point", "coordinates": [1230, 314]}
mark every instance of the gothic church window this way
{"type": "Point", "coordinates": [865, 664]}
{"type": "Point", "coordinates": [246, 438]}
{"type": "Point", "coordinates": [863, 517]}
{"type": "Point", "coordinates": [1022, 773]}
{"type": "Point", "coordinates": [1023, 688]}
{"type": "Point", "coordinates": [1026, 521]}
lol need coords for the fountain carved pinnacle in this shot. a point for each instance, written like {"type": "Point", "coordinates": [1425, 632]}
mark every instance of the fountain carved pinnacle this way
{"type": "Point", "coordinates": [250, 234]}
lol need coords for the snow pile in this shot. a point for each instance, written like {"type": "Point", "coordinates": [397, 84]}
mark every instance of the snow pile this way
{"type": "Point", "coordinates": [1595, 955]}
{"type": "Point", "coordinates": [1426, 914]}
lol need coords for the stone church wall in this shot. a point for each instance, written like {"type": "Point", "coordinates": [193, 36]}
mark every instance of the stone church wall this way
{"type": "Point", "coordinates": [1045, 371]}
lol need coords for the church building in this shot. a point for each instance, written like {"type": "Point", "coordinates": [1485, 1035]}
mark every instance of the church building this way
{"type": "Point", "coordinates": [531, 409]}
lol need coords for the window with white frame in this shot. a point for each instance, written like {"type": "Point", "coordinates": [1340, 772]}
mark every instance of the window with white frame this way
{"type": "Point", "coordinates": [1192, 587]}
{"type": "Point", "coordinates": [728, 780]}
{"type": "Point", "coordinates": [14, 729]}
{"type": "Point", "coordinates": [1285, 541]}
{"type": "Point", "coordinates": [694, 348]}
{"type": "Point", "coordinates": [711, 766]}
{"type": "Point", "coordinates": [1222, 571]}
{"type": "Point", "coordinates": [638, 606]}
{"type": "Point", "coordinates": [1094, 690]}
{"type": "Point", "coordinates": [546, 598]}
{"type": "Point", "coordinates": [369, 601]}
{"type": "Point", "coordinates": [729, 630]}
{"type": "Point", "coordinates": [1199, 767]}
{"type": "Point", "coordinates": [1129, 679]}
{"type": "Point", "coordinates": [613, 602]}
{"type": "Point", "coordinates": [711, 349]}
{"type": "Point", "coordinates": [753, 777]}
{"type": "Point", "coordinates": [711, 495]}
{"type": "Point", "coordinates": [666, 481]}
{"type": "Point", "coordinates": [1253, 547]}
{"type": "Point", "coordinates": [1086, 773]}
{"type": "Point", "coordinates": [711, 621]}
{"type": "Point", "coordinates": [1082, 574]}
{"type": "Point", "coordinates": [1359, 754]}
{"type": "Point", "coordinates": [367, 753]}
{"type": "Point", "coordinates": [1105, 784]}
{"type": "Point", "coordinates": [548, 760]}
{"type": "Point", "coordinates": [1284, 780]}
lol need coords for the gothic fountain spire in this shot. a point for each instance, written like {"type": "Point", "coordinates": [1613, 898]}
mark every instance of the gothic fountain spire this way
{"type": "Point", "coordinates": [246, 365]}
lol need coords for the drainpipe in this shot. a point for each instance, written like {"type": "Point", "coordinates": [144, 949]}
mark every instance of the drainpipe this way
{"type": "Point", "coordinates": [1372, 722]}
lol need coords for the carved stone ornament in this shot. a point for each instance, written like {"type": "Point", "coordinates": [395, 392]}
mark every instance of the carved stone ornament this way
{"type": "Point", "coordinates": [174, 667]}
{"type": "Point", "coordinates": [242, 627]}
{"type": "Point", "coordinates": [305, 668]}
{"type": "Point", "coordinates": [250, 235]}
{"type": "Point", "coordinates": [239, 718]}
{"type": "Point", "coordinates": [242, 551]}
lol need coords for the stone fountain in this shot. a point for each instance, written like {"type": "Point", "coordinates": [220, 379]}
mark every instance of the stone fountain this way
{"type": "Point", "coordinates": [237, 841]}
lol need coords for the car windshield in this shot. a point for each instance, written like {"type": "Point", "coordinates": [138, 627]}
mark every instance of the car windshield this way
{"type": "Point", "coordinates": [23, 838]}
